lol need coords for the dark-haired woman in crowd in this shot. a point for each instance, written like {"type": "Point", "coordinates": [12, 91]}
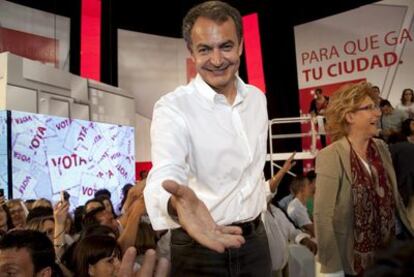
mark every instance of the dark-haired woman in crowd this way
{"type": "Point", "coordinates": [407, 129]}
{"type": "Point", "coordinates": [407, 102]}
{"type": "Point", "coordinates": [97, 256]}
{"type": "Point", "coordinates": [358, 209]}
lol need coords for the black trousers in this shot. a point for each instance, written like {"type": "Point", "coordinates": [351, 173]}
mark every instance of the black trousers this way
{"type": "Point", "coordinates": [189, 258]}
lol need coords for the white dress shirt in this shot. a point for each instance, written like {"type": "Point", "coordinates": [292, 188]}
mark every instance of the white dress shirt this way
{"type": "Point", "coordinates": [217, 149]}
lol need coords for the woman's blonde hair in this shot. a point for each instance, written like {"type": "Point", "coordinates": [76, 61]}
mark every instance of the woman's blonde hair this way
{"type": "Point", "coordinates": [345, 100]}
{"type": "Point", "coordinates": [42, 202]}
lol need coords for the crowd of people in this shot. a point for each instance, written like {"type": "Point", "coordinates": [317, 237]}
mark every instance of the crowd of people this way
{"type": "Point", "coordinates": [207, 210]}
{"type": "Point", "coordinates": [38, 238]}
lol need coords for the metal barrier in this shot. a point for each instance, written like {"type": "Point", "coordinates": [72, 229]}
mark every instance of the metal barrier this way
{"type": "Point", "coordinates": [304, 155]}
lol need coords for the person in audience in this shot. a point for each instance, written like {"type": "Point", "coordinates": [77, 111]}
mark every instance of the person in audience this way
{"type": "Point", "coordinates": [103, 192]}
{"type": "Point", "coordinates": [92, 204]}
{"type": "Point", "coordinates": [317, 108]}
{"type": "Point", "coordinates": [297, 207]}
{"type": "Point", "coordinates": [39, 212]}
{"type": "Point", "coordinates": [319, 103]}
{"type": "Point", "coordinates": [126, 236]}
{"type": "Point", "coordinates": [311, 176]}
{"type": "Point", "coordinates": [61, 239]}
{"type": "Point", "coordinates": [407, 129]}
{"type": "Point", "coordinates": [98, 230]}
{"type": "Point", "coordinates": [29, 203]}
{"type": "Point", "coordinates": [97, 256]}
{"type": "Point", "coordinates": [376, 91]}
{"type": "Point", "coordinates": [42, 202]}
{"type": "Point", "coordinates": [6, 223]}
{"type": "Point", "coordinates": [390, 120]}
{"type": "Point", "coordinates": [357, 203]}
{"type": "Point", "coordinates": [125, 191]}
{"type": "Point", "coordinates": [27, 253]}
{"type": "Point", "coordinates": [394, 261]}
{"type": "Point", "coordinates": [17, 212]}
{"type": "Point", "coordinates": [402, 153]}
{"type": "Point", "coordinates": [78, 215]}
{"type": "Point", "coordinates": [70, 226]}
{"type": "Point", "coordinates": [44, 224]}
{"type": "Point", "coordinates": [280, 231]}
{"type": "Point", "coordinates": [284, 202]}
{"type": "Point", "coordinates": [407, 102]}
{"type": "Point", "coordinates": [107, 203]}
{"type": "Point", "coordinates": [101, 216]}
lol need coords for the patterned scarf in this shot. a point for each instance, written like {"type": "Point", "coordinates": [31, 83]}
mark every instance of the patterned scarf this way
{"type": "Point", "coordinates": [374, 217]}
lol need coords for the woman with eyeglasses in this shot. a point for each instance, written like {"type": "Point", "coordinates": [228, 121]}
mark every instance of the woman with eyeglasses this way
{"type": "Point", "coordinates": [357, 208]}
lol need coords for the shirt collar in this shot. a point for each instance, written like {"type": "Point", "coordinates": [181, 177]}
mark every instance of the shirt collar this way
{"type": "Point", "coordinates": [208, 93]}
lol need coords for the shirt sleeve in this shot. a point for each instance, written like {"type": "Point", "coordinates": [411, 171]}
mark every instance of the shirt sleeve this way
{"type": "Point", "coordinates": [169, 150]}
{"type": "Point", "coordinates": [269, 193]}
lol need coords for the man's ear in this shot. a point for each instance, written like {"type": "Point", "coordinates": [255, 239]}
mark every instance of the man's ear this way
{"type": "Point", "coordinates": [91, 270]}
{"type": "Point", "coordinates": [45, 272]}
{"type": "Point", "coordinates": [190, 49]}
{"type": "Point", "coordinates": [241, 46]}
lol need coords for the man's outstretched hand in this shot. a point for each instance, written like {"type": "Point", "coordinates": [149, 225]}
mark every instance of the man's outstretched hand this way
{"type": "Point", "coordinates": [150, 266]}
{"type": "Point", "coordinates": [195, 218]}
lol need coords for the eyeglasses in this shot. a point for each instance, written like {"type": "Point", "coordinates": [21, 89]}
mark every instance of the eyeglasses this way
{"type": "Point", "coordinates": [371, 107]}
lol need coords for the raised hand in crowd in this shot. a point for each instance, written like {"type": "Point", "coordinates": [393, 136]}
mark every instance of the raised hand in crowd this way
{"type": "Point", "coordinates": [60, 213]}
{"type": "Point", "coordinates": [135, 211]}
{"type": "Point", "coordinates": [287, 166]}
{"type": "Point", "coordinates": [195, 218]}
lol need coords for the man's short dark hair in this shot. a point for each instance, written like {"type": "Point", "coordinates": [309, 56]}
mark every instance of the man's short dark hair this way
{"type": "Point", "coordinates": [215, 10]}
{"type": "Point", "coordinates": [297, 184]}
{"type": "Point", "coordinates": [103, 192]}
{"type": "Point", "coordinates": [90, 201]}
{"type": "Point", "coordinates": [384, 102]}
{"type": "Point", "coordinates": [90, 217]}
{"type": "Point", "coordinates": [311, 175]}
{"type": "Point", "coordinates": [38, 245]}
{"type": "Point", "coordinates": [39, 212]}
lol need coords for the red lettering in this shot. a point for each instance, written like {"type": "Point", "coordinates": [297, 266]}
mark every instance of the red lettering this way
{"type": "Point", "coordinates": [392, 38]}
{"type": "Point", "coordinates": [375, 62]}
{"type": "Point", "coordinates": [67, 162]}
{"type": "Point", "coordinates": [306, 72]}
{"type": "Point", "coordinates": [305, 56]}
{"type": "Point", "coordinates": [390, 58]}
{"type": "Point", "coordinates": [362, 64]}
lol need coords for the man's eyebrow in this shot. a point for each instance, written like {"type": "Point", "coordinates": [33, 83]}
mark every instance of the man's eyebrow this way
{"type": "Point", "coordinates": [202, 45]}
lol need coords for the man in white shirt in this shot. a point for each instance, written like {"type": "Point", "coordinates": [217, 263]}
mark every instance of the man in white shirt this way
{"type": "Point", "coordinates": [208, 152]}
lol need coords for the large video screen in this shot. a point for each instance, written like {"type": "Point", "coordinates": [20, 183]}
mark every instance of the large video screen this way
{"type": "Point", "coordinates": [3, 153]}
{"type": "Point", "coordinates": [51, 154]}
